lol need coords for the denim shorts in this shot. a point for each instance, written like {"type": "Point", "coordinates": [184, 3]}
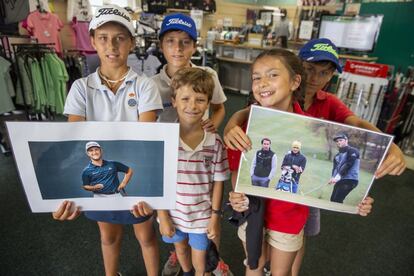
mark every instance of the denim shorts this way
{"type": "Point", "coordinates": [196, 241]}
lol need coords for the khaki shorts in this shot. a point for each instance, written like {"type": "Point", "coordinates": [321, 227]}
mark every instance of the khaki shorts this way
{"type": "Point", "coordinates": [282, 241]}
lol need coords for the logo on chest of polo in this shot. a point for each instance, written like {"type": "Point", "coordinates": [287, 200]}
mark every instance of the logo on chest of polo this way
{"type": "Point", "coordinates": [207, 161]}
{"type": "Point", "coordinates": [132, 102]}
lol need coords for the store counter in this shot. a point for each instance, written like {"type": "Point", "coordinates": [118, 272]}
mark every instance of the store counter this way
{"type": "Point", "coordinates": [235, 60]}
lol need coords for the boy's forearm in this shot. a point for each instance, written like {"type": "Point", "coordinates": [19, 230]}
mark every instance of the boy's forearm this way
{"type": "Point", "coordinates": [217, 197]}
{"type": "Point", "coordinates": [149, 116]}
{"type": "Point", "coordinates": [218, 113]}
{"type": "Point", "coordinates": [163, 215]}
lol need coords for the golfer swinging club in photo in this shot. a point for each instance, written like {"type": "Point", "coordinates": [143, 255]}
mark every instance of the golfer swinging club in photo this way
{"type": "Point", "coordinates": [345, 172]}
{"type": "Point", "coordinates": [293, 165]}
{"type": "Point", "coordinates": [101, 176]}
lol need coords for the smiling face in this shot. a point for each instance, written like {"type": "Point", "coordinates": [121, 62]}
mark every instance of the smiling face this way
{"type": "Point", "coordinates": [190, 105]}
{"type": "Point", "coordinates": [94, 153]}
{"type": "Point", "coordinates": [272, 83]}
{"type": "Point", "coordinates": [178, 48]}
{"type": "Point", "coordinates": [317, 76]}
{"type": "Point", "coordinates": [295, 149]}
{"type": "Point", "coordinates": [112, 42]}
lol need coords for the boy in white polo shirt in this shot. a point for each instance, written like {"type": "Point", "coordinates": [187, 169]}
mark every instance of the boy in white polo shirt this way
{"type": "Point", "coordinates": [178, 37]}
{"type": "Point", "coordinates": [115, 93]}
{"type": "Point", "coordinates": [202, 168]}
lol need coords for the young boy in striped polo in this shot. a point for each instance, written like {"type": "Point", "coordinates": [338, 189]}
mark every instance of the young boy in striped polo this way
{"type": "Point", "coordinates": [202, 168]}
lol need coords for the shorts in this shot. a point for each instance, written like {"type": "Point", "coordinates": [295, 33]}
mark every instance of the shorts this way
{"type": "Point", "coordinates": [313, 224]}
{"type": "Point", "coordinates": [197, 241]}
{"type": "Point", "coordinates": [279, 240]}
{"type": "Point", "coordinates": [115, 217]}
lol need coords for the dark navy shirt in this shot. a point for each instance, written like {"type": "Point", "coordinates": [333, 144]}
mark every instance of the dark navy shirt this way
{"type": "Point", "coordinates": [107, 174]}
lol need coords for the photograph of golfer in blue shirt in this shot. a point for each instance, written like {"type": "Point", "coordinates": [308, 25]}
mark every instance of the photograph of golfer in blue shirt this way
{"type": "Point", "coordinates": [101, 176]}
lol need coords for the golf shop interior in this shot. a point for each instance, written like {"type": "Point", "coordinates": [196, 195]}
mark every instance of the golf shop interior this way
{"type": "Point", "coordinates": [286, 144]}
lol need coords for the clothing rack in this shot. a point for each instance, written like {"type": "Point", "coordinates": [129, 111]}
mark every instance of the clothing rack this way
{"type": "Point", "coordinates": [5, 43]}
{"type": "Point", "coordinates": [35, 48]}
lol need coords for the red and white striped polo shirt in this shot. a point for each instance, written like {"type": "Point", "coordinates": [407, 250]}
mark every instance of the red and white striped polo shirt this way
{"type": "Point", "coordinates": [197, 171]}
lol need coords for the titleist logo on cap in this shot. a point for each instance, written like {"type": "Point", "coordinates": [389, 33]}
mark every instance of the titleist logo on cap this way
{"type": "Point", "coordinates": [105, 11]}
{"type": "Point", "coordinates": [178, 21]}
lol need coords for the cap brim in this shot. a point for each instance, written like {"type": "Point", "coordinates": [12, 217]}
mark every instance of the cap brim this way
{"type": "Point", "coordinates": [323, 58]}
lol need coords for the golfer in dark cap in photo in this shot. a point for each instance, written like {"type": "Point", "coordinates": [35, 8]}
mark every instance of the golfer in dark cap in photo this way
{"type": "Point", "coordinates": [345, 172]}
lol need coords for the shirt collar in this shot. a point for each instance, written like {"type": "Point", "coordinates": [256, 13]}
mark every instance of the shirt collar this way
{"type": "Point", "coordinates": [164, 75]}
{"type": "Point", "coordinates": [94, 81]}
{"type": "Point", "coordinates": [297, 109]}
{"type": "Point", "coordinates": [209, 139]}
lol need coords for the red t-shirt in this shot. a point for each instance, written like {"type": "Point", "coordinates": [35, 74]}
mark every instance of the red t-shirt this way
{"type": "Point", "coordinates": [279, 215]}
{"type": "Point", "coordinates": [328, 107]}
{"type": "Point", "coordinates": [284, 216]}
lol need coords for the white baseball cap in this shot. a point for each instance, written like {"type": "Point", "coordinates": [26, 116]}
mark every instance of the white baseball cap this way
{"type": "Point", "coordinates": [91, 144]}
{"type": "Point", "coordinates": [111, 13]}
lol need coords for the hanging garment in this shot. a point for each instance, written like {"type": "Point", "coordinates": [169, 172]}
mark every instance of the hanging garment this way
{"type": "Point", "coordinates": [44, 5]}
{"type": "Point", "coordinates": [148, 65]}
{"type": "Point", "coordinates": [83, 41]}
{"type": "Point", "coordinates": [39, 93]}
{"type": "Point", "coordinates": [60, 76]}
{"type": "Point", "coordinates": [45, 27]}
{"type": "Point", "coordinates": [6, 87]}
{"type": "Point", "coordinates": [15, 11]}
{"type": "Point", "coordinates": [79, 9]}
{"type": "Point", "coordinates": [24, 95]}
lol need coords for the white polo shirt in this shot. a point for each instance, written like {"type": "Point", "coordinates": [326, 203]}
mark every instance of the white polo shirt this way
{"type": "Point", "coordinates": [163, 82]}
{"type": "Point", "coordinates": [197, 170]}
{"type": "Point", "coordinates": [89, 98]}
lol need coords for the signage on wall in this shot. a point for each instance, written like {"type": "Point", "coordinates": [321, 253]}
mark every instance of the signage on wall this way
{"type": "Point", "coordinates": [227, 22]}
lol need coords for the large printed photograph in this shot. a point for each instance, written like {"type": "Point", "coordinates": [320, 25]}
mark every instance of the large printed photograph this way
{"type": "Point", "coordinates": [309, 161]}
{"type": "Point", "coordinates": [100, 166]}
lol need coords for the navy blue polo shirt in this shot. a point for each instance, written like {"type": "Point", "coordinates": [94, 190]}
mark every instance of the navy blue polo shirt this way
{"type": "Point", "coordinates": [107, 174]}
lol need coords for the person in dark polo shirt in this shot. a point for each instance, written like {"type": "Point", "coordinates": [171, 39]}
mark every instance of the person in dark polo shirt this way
{"type": "Point", "coordinates": [264, 165]}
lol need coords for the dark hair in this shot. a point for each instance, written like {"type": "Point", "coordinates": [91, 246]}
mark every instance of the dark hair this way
{"type": "Point", "coordinates": [92, 32]}
{"type": "Point", "coordinates": [169, 31]}
{"type": "Point", "coordinates": [293, 65]}
{"type": "Point", "coordinates": [199, 79]}
{"type": "Point", "coordinates": [266, 139]}
{"type": "Point", "coordinates": [332, 65]}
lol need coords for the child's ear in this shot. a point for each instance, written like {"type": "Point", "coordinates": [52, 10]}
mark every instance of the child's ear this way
{"type": "Point", "coordinates": [92, 41]}
{"type": "Point", "coordinates": [173, 102]}
{"type": "Point", "coordinates": [296, 82]}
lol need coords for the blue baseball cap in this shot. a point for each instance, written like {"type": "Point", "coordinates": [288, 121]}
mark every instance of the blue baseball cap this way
{"type": "Point", "coordinates": [319, 50]}
{"type": "Point", "coordinates": [179, 22]}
